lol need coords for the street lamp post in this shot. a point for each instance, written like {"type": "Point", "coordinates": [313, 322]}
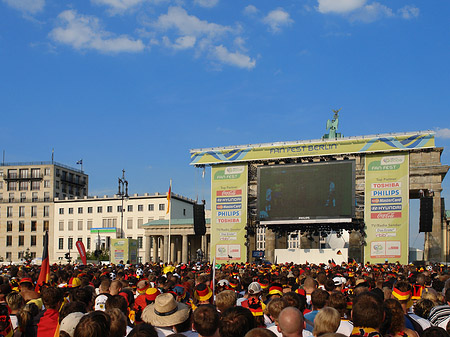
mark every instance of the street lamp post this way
{"type": "Point", "coordinates": [123, 193]}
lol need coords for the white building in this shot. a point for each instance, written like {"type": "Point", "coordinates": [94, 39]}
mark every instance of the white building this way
{"type": "Point", "coordinates": [92, 218]}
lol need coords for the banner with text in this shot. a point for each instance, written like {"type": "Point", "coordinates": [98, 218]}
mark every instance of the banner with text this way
{"type": "Point", "coordinates": [402, 142]}
{"type": "Point", "coordinates": [228, 213]}
{"type": "Point", "coordinates": [386, 209]}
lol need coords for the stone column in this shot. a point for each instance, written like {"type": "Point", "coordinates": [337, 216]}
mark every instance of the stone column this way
{"type": "Point", "coordinates": [155, 248]}
{"type": "Point", "coordinates": [164, 245]}
{"type": "Point", "coordinates": [203, 246]}
{"type": "Point", "coordinates": [172, 249]}
{"type": "Point", "coordinates": [270, 245]}
{"type": "Point", "coordinates": [184, 249]}
{"type": "Point", "coordinates": [147, 250]}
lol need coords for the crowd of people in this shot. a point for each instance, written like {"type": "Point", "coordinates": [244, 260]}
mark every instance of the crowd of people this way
{"type": "Point", "coordinates": [226, 300]}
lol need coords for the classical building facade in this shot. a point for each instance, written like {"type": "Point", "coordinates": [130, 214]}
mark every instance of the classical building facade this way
{"type": "Point", "coordinates": [97, 220]}
{"type": "Point", "coordinates": [27, 192]}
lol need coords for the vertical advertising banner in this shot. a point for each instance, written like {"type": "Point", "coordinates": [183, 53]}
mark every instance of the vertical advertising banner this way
{"type": "Point", "coordinates": [228, 213]}
{"type": "Point", "coordinates": [386, 210]}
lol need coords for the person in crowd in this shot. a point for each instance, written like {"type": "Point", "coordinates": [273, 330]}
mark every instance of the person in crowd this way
{"type": "Point", "coordinates": [260, 332]}
{"type": "Point", "coordinates": [226, 299]}
{"type": "Point", "coordinates": [319, 299]}
{"type": "Point", "coordinates": [440, 315]}
{"type": "Point", "coordinates": [236, 322]}
{"type": "Point", "coordinates": [48, 323]}
{"type": "Point", "coordinates": [120, 302]}
{"type": "Point", "coordinates": [397, 326]}
{"type": "Point", "coordinates": [95, 324]}
{"type": "Point", "coordinates": [15, 302]}
{"type": "Point", "coordinates": [274, 308]}
{"type": "Point", "coordinates": [165, 314]}
{"type": "Point", "coordinates": [290, 322]}
{"type": "Point", "coordinates": [327, 321]}
{"type": "Point", "coordinates": [118, 327]}
{"type": "Point", "coordinates": [206, 321]}
{"type": "Point", "coordinates": [143, 330]}
{"type": "Point", "coordinates": [338, 301]}
{"type": "Point", "coordinates": [367, 315]}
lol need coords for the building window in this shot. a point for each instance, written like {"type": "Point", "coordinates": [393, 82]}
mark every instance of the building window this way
{"type": "Point", "coordinates": [70, 225]}
{"type": "Point", "coordinates": [46, 183]}
{"type": "Point", "coordinates": [57, 184]}
{"type": "Point", "coordinates": [61, 226]}
{"type": "Point", "coordinates": [33, 226]}
{"type": "Point", "coordinates": [9, 226]}
{"type": "Point", "coordinates": [61, 243]}
{"type": "Point", "coordinates": [57, 172]}
{"type": "Point", "coordinates": [9, 240]}
{"type": "Point", "coordinates": [33, 210]}
{"type": "Point", "coordinates": [184, 211]}
{"type": "Point", "coordinates": [119, 208]}
{"type": "Point", "coordinates": [21, 240]}
{"type": "Point", "coordinates": [12, 185]}
{"type": "Point", "coordinates": [23, 197]}
{"type": "Point", "coordinates": [80, 210]}
{"type": "Point", "coordinates": [89, 209]}
{"type": "Point", "coordinates": [140, 208]}
{"type": "Point", "coordinates": [23, 173]}
{"type": "Point", "coordinates": [21, 226]}
{"type": "Point", "coordinates": [109, 209]}
{"type": "Point", "coordinates": [140, 222]}
{"type": "Point", "coordinates": [109, 223]}
{"type": "Point", "coordinates": [33, 240]}
{"type": "Point", "coordinates": [151, 207]}
{"type": "Point", "coordinates": [89, 224]}
{"type": "Point", "coordinates": [162, 207]}
{"type": "Point", "coordinates": [129, 223]}
{"type": "Point", "coordinates": [140, 242]}
{"type": "Point", "coordinates": [46, 211]}
{"type": "Point", "coordinates": [130, 208]}
{"type": "Point", "coordinates": [11, 197]}
{"type": "Point", "coordinates": [61, 211]}
{"type": "Point", "coordinates": [47, 171]}
{"type": "Point", "coordinates": [70, 210]}
{"type": "Point", "coordinates": [23, 186]}
{"type": "Point", "coordinates": [88, 243]}
{"type": "Point", "coordinates": [80, 225]}
{"type": "Point", "coordinates": [35, 173]}
{"type": "Point", "coordinates": [8, 256]}
{"type": "Point", "coordinates": [12, 174]}
{"type": "Point", "coordinates": [99, 209]}
{"type": "Point", "coordinates": [35, 185]}
{"type": "Point", "coordinates": [21, 211]}
{"type": "Point", "coordinates": [46, 225]}
{"type": "Point", "coordinates": [46, 196]}
{"type": "Point", "coordinates": [34, 197]}
{"type": "Point", "coordinates": [9, 211]}
{"type": "Point", "coordinates": [70, 243]}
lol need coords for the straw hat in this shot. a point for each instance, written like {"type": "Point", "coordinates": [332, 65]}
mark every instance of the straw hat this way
{"type": "Point", "coordinates": [165, 311]}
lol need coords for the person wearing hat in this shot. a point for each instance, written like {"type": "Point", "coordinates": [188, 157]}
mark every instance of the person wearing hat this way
{"type": "Point", "coordinates": [254, 303]}
{"type": "Point", "coordinates": [165, 314]}
{"type": "Point", "coordinates": [28, 293]}
{"type": "Point", "coordinates": [203, 294]}
{"type": "Point", "coordinates": [143, 300]}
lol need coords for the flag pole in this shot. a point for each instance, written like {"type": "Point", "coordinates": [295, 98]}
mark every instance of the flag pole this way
{"type": "Point", "coordinates": [169, 197]}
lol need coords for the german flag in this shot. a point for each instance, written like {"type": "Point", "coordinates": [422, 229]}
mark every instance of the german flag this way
{"type": "Point", "coordinates": [168, 196]}
{"type": "Point", "coordinates": [44, 275]}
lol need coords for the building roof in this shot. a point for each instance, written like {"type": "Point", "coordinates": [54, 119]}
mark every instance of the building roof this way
{"type": "Point", "coordinates": [173, 222]}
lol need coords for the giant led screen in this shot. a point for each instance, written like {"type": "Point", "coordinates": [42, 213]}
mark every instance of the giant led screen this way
{"type": "Point", "coordinates": [305, 192]}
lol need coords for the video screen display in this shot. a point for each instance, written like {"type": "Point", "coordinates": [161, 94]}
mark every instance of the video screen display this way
{"type": "Point", "coordinates": [322, 190]}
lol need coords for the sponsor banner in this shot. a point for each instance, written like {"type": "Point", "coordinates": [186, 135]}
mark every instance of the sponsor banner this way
{"type": "Point", "coordinates": [387, 215]}
{"type": "Point", "coordinates": [229, 191]}
{"type": "Point", "coordinates": [404, 142]}
{"type": "Point", "coordinates": [123, 250]}
{"type": "Point", "coordinates": [386, 200]}
{"type": "Point", "coordinates": [229, 199]}
{"type": "Point", "coordinates": [228, 206]}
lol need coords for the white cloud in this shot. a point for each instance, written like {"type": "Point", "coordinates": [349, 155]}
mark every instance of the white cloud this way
{"type": "Point", "coordinates": [177, 18]}
{"type": "Point", "coordinates": [339, 6]}
{"type": "Point", "coordinates": [372, 12]}
{"type": "Point", "coordinates": [250, 10]}
{"type": "Point", "coordinates": [183, 42]}
{"type": "Point", "coordinates": [409, 12]}
{"type": "Point", "coordinates": [118, 6]}
{"type": "Point", "coordinates": [26, 6]}
{"type": "Point", "coordinates": [443, 133]}
{"type": "Point", "coordinates": [84, 32]}
{"type": "Point", "coordinates": [235, 59]}
{"type": "Point", "coordinates": [277, 19]}
{"type": "Point", "coordinates": [206, 3]}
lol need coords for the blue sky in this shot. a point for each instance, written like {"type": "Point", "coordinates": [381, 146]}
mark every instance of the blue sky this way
{"type": "Point", "coordinates": [135, 84]}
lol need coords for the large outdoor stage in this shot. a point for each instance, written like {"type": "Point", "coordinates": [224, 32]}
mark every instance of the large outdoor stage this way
{"type": "Point", "coordinates": [360, 185]}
